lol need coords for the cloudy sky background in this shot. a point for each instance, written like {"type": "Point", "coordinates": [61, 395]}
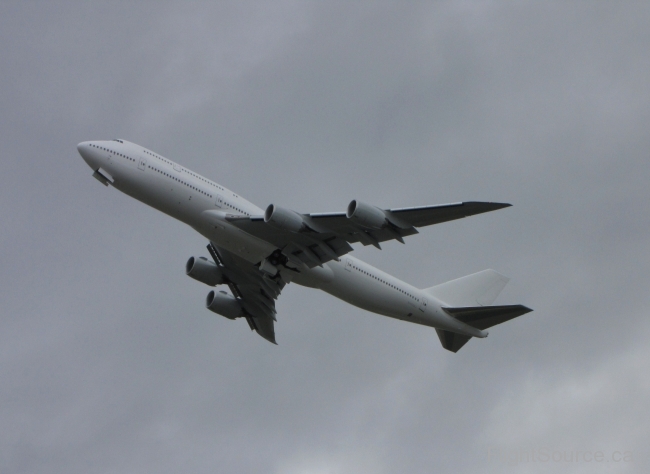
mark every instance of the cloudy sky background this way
{"type": "Point", "coordinates": [110, 363]}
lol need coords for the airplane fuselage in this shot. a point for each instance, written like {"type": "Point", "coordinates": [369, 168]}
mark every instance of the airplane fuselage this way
{"type": "Point", "coordinates": [204, 204]}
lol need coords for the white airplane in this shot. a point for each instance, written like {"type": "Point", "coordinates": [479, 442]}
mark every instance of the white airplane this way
{"type": "Point", "coordinates": [257, 252]}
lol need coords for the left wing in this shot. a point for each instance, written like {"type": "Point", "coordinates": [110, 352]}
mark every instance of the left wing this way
{"type": "Point", "coordinates": [255, 290]}
{"type": "Point", "coordinates": [313, 239]}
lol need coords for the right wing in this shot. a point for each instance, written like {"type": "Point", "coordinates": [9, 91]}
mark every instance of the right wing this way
{"type": "Point", "coordinates": [429, 215]}
{"type": "Point", "coordinates": [313, 239]}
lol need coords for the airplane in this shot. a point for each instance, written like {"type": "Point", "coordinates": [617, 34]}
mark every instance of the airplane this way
{"type": "Point", "coordinates": [256, 252]}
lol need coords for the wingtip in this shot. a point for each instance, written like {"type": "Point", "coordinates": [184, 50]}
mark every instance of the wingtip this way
{"type": "Point", "coordinates": [485, 206]}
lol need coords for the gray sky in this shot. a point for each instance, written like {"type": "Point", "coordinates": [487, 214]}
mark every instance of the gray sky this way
{"type": "Point", "coordinates": [110, 363]}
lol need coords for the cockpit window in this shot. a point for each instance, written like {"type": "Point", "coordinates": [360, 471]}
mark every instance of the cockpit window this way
{"type": "Point", "coordinates": [118, 140]}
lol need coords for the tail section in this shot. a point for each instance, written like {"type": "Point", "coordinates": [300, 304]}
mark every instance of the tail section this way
{"type": "Point", "coordinates": [481, 289]}
{"type": "Point", "coordinates": [483, 317]}
{"type": "Point", "coordinates": [460, 299]}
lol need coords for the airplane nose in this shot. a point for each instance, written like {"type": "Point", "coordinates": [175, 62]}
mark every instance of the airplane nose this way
{"type": "Point", "coordinates": [84, 150]}
{"type": "Point", "coordinates": [81, 147]}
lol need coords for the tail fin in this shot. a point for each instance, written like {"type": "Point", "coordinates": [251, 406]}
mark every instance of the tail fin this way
{"type": "Point", "coordinates": [481, 288]}
{"type": "Point", "coordinates": [462, 296]}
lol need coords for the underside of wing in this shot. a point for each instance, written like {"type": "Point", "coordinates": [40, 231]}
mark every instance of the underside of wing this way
{"type": "Point", "coordinates": [313, 239]}
{"type": "Point", "coordinates": [429, 215]}
{"type": "Point", "coordinates": [254, 290]}
{"type": "Point", "coordinates": [305, 247]}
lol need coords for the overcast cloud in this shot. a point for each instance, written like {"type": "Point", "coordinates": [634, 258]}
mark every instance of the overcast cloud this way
{"type": "Point", "coordinates": [110, 363]}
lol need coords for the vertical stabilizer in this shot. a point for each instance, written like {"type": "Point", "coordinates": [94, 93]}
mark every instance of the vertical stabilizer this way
{"type": "Point", "coordinates": [481, 289]}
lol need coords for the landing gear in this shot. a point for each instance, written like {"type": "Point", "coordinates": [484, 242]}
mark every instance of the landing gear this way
{"type": "Point", "coordinates": [276, 258]}
{"type": "Point", "coordinates": [270, 265]}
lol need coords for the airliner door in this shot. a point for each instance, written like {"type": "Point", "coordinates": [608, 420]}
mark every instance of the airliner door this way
{"type": "Point", "coordinates": [423, 305]}
{"type": "Point", "coordinates": [219, 201]}
{"type": "Point", "coordinates": [143, 164]}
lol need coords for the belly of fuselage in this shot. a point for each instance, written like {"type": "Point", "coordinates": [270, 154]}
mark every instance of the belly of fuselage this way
{"type": "Point", "coordinates": [366, 293]}
{"type": "Point", "coordinates": [333, 278]}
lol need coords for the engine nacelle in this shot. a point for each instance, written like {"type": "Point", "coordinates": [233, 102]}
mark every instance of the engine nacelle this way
{"type": "Point", "coordinates": [284, 219]}
{"type": "Point", "coordinates": [366, 215]}
{"type": "Point", "coordinates": [203, 270]}
{"type": "Point", "coordinates": [224, 305]}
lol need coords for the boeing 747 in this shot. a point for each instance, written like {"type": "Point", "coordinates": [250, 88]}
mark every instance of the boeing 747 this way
{"type": "Point", "coordinates": [256, 252]}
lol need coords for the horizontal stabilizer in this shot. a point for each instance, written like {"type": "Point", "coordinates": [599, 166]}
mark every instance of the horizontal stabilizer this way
{"type": "Point", "coordinates": [481, 288]}
{"type": "Point", "coordinates": [452, 341]}
{"type": "Point", "coordinates": [480, 317]}
{"type": "Point", "coordinates": [483, 317]}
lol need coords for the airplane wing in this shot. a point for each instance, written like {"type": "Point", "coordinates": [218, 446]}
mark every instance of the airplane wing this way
{"type": "Point", "coordinates": [255, 290]}
{"type": "Point", "coordinates": [313, 239]}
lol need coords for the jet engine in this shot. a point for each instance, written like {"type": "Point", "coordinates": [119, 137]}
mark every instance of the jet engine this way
{"type": "Point", "coordinates": [284, 219]}
{"type": "Point", "coordinates": [203, 270]}
{"type": "Point", "coordinates": [366, 215]}
{"type": "Point", "coordinates": [224, 304]}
